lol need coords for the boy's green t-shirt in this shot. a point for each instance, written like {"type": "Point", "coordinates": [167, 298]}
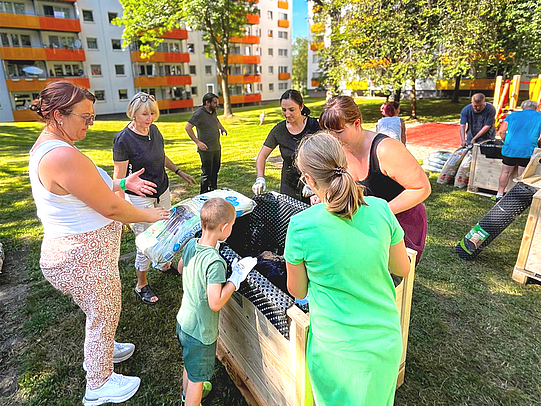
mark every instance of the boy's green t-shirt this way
{"type": "Point", "coordinates": [202, 265]}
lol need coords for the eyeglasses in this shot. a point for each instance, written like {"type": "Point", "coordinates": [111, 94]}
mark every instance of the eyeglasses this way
{"type": "Point", "coordinates": [145, 97]}
{"type": "Point", "coordinates": [88, 119]}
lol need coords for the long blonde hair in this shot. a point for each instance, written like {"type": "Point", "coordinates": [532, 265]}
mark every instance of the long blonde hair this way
{"type": "Point", "coordinates": [321, 156]}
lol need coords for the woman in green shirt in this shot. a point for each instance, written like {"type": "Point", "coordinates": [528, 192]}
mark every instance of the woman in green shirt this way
{"type": "Point", "coordinates": [340, 252]}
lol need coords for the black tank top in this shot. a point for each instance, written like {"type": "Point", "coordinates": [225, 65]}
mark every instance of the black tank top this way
{"type": "Point", "coordinates": [376, 183]}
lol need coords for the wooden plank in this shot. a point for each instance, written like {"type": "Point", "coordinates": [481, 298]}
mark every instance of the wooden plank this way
{"type": "Point", "coordinates": [515, 89]}
{"type": "Point", "coordinates": [529, 231]}
{"type": "Point", "coordinates": [531, 174]}
{"type": "Point", "coordinates": [300, 324]}
{"type": "Point", "coordinates": [471, 182]}
{"type": "Point", "coordinates": [520, 276]}
{"type": "Point", "coordinates": [533, 263]}
{"type": "Point", "coordinates": [497, 90]}
{"type": "Point", "coordinates": [485, 172]}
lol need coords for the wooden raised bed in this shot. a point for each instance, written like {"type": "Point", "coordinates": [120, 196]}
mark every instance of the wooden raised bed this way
{"type": "Point", "coordinates": [529, 257]}
{"type": "Point", "coordinates": [269, 369]}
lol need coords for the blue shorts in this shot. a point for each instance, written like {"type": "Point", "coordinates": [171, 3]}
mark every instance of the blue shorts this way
{"type": "Point", "coordinates": [198, 358]}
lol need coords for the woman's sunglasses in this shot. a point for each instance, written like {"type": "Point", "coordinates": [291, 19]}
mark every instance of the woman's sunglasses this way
{"type": "Point", "coordinates": [145, 97]}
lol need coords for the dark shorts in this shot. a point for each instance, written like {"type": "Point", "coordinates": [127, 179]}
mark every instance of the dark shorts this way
{"type": "Point", "coordinates": [198, 358]}
{"type": "Point", "coordinates": [515, 161]}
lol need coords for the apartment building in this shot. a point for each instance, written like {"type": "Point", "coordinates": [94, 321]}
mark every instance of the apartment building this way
{"type": "Point", "coordinates": [46, 40]}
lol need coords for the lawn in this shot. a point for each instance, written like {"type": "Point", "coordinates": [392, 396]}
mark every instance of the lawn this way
{"type": "Point", "coordinates": [474, 334]}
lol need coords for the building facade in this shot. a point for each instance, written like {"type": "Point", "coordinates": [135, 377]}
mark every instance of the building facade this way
{"type": "Point", "coordinates": [47, 40]}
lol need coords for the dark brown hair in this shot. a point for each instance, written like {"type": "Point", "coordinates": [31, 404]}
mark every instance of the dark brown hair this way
{"type": "Point", "coordinates": [296, 96]}
{"type": "Point", "coordinates": [61, 96]}
{"type": "Point", "coordinates": [215, 212]}
{"type": "Point", "coordinates": [338, 112]}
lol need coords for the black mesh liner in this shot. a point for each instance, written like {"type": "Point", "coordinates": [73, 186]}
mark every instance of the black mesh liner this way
{"type": "Point", "coordinates": [518, 199]}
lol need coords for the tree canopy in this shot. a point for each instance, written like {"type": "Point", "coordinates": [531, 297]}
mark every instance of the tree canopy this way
{"type": "Point", "coordinates": [300, 63]}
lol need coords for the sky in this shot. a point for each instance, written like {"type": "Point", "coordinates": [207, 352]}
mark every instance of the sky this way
{"type": "Point", "coordinates": [300, 18]}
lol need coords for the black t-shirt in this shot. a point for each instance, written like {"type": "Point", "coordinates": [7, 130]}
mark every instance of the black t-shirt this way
{"type": "Point", "coordinates": [208, 129]}
{"type": "Point", "coordinates": [143, 151]}
{"type": "Point", "coordinates": [288, 143]}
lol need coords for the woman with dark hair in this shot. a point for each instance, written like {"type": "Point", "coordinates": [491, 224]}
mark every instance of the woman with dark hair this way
{"type": "Point", "coordinates": [383, 165]}
{"type": "Point", "coordinates": [82, 220]}
{"type": "Point", "coordinates": [391, 125]}
{"type": "Point", "coordinates": [287, 134]}
{"type": "Point", "coordinates": [354, 343]}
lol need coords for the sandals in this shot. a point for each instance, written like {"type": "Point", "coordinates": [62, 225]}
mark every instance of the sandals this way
{"type": "Point", "coordinates": [146, 294]}
{"type": "Point", "coordinates": [172, 270]}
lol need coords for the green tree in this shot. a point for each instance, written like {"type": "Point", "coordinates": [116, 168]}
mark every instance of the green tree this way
{"type": "Point", "coordinates": [219, 21]}
{"type": "Point", "coordinates": [300, 63]}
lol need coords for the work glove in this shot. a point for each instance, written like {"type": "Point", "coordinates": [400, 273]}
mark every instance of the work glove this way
{"type": "Point", "coordinates": [259, 186]}
{"type": "Point", "coordinates": [241, 269]}
{"type": "Point", "coordinates": [307, 192]}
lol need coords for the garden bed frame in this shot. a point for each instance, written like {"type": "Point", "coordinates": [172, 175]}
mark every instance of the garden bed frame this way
{"type": "Point", "coordinates": [485, 174]}
{"type": "Point", "coordinates": [269, 369]}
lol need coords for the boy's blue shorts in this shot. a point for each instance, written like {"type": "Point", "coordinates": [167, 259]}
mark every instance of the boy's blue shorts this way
{"type": "Point", "coordinates": [198, 358]}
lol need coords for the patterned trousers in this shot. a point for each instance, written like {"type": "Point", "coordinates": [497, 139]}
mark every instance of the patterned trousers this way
{"type": "Point", "coordinates": [85, 266]}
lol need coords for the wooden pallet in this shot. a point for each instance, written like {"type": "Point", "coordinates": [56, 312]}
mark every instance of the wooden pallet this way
{"type": "Point", "coordinates": [269, 369]}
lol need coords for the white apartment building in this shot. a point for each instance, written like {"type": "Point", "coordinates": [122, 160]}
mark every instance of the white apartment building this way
{"type": "Point", "coordinates": [46, 40]}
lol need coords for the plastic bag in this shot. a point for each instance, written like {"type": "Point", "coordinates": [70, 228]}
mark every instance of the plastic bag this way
{"type": "Point", "coordinates": [463, 173]}
{"type": "Point", "coordinates": [162, 240]}
{"type": "Point", "coordinates": [448, 172]}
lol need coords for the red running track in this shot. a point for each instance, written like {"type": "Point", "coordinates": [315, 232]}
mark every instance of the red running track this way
{"type": "Point", "coordinates": [436, 135]}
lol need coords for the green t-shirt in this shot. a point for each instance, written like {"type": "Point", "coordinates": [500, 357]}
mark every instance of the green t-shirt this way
{"type": "Point", "coordinates": [202, 265]}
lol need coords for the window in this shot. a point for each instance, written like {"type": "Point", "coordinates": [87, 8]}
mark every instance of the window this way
{"type": "Point", "coordinates": [19, 8]}
{"type": "Point", "coordinates": [123, 94]}
{"type": "Point", "coordinates": [269, 33]}
{"type": "Point", "coordinates": [259, 87]}
{"type": "Point", "coordinates": [271, 87]}
{"type": "Point", "coordinates": [282, 16]}
{"type": "Point", "coordinates": [282, 69]}
{"type": "Point", "coordinates": [111, 17]}
{"type": "Point", "coordinates": [58, 71]}
{"type": "Point", "coordinates": [92, 43]}
{"type": "Point", "coordinates": [207, 49]}
{"type": "Point", "coordinates": [191, 48]}
{"type": "Point", "coordinates": [8, 7]}
{"type": "Point", "coordinates": [119, 69]}
{"type": "Point", "coordinates": [194, 90]}
{"type": "Point", "coordinates": [146, 70]}
{"type": "Point", "coordinates": [271, 70]}
{"type": "Point", "coordinates": [12, 8]}
{"type": "Point", "coordinates": [67, 70]}
{"type": "Point", "coordinates": [192, 70]}
{"type": "Point", "coordinates": [282, 34]}
{"type": "Point", "coordinates": [25, 40]}
{"type": "Point", "coordinates": [88, 16]}
{"type": "Point", "coordinates": [210, 88]}
{"type": "Point", "coordinates": [15, 40]}
{"type": "Point", "coordinates": [271, 51]}
{"type": "Point", "coordinates": [269, 14]}
{"type": "Point", "coordinates": [282, 52]}
{"type": "Point", "coordinates": [100, 95]}
{"type": "Point", "coordinates": [4, 39]}
{"type": "Point", "coordinates": [315, 58]}
{"type": "Point", "coordinates": [117, 44]}
{"type": "Point", "coordinates": [208, 70]}
{"type": "Point", "coordinates": [282, 86]}
{"type": "Point", "coordinates": [95, 70]}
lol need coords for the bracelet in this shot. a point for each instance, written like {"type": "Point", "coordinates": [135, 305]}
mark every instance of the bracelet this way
{"type": "Point", "coordinates": [177, 171]}
{"type": "Point", "coordinates": [123, 184]}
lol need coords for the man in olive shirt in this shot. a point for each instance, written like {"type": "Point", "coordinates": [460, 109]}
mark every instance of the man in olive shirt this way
{"type": "Point", "coordinates": [209, 130]}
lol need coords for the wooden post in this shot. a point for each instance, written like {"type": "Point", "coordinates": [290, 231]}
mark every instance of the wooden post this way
{"type": "Point", "coordinates": [497, 90]}
{"type": "Point", "coordinates": [299, 332]}
{"type": "Point", "coordinates": [538, 88]}
{"type": "Point", "coordinates": [515, 88]}
{"type": "Point", "coordinates": [499, 107]}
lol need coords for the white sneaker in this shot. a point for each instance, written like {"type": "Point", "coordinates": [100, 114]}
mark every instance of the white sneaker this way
{"type": "Point", "coordinates": [122, 352]}
{"type": "Point", "coordinates": [117, 389]}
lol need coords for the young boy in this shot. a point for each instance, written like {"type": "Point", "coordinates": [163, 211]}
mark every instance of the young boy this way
{"type": "Point", "coordinates": [205, 293]}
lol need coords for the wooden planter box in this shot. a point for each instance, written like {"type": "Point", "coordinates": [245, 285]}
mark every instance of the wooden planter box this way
{"type": "Point", "coordinates": [269, 369]}
{"type": "Point", "coordinates": [485, 173]}
{"type": "Point", "coordinates": [529, 257]}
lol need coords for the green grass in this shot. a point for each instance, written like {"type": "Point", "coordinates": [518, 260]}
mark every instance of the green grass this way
{"type": "Point", "coordinates": [474, 334]}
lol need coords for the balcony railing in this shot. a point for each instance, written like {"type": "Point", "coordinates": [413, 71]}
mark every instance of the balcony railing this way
{"type": "Point", "coordinates": [253, 19]}
{"type": "Point", "coordinates": [283, 4]}
{"type": "Point", "coordinates": [25, 115]}
{"type": "Point", "coordinates": [160, 81]}
{"type": "Point", "coordinates": [283, 23]}
{"type": "Point", "coordinates": [240, 79]}
{"type": "Point", "coordinates": [60, 24]}
{"type": "Point", "coordinates": [41, 54]}
{"type": "Point", "coordinates": [175, 104]}
{"type": "Point", "coordinates": [243, 98]}
{"type": "Point", "coordinates": [247, 39]}
{"type": "Point", "coordinates": [161, 57]}
{"type": "Point", "coordinates": [284, 76]}
{"type": "Point", "coordinates": [177, 33]}
{"type": "Point", "coordinates": [245, 59]}
{"type": "Point", "coordinates": [37, 85]}
{"type": "Point", "coordinates": [317, 46]}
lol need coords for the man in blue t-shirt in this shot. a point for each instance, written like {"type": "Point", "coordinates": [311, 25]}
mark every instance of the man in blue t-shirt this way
{"type": "Point", "coordinates": [477, 121]}
{"type": "Point", "coordinates": [520, 132]}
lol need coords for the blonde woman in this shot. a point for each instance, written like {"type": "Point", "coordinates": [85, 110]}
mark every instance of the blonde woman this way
{"type": "Point", "coordinates": [354, 341]}
{"type": "Point", "coordinates": [140, 145]}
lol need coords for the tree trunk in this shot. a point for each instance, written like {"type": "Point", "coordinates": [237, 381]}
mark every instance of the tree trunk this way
{"type": "Point", "coordinates": [397, 94]}
{"type": "Point", "coordinates": [413, 101]}
{"type": "Point", "coordinates": [228, 112]}
{"type": "Point", "coordinates": [456, 89]}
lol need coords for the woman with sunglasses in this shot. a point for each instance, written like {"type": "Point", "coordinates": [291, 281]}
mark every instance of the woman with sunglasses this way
{"type": "Point", "coordinates": [383, 165]}
{"type": "Point", "coordinates": [140, 145]}
{"type": "Point", "coordinates": [82, 221]}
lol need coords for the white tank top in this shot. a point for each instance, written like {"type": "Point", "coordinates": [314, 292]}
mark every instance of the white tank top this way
{"type": "Point", "coordinates": [390, 126]}
{"type": "Point", "coordinates": [62, 215]}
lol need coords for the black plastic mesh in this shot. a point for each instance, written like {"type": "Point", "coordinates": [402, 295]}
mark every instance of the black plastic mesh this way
{"type": "Point", "coordinates": [518, 199]}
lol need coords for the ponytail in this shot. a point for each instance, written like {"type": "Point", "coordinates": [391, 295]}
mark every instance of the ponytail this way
{"type": "Point", "coordinates": [305, 111]}
{"type": "Point", "coordinates": [321, 156]}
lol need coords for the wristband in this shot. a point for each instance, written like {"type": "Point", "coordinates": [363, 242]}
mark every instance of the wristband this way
{"type": "Point", "coordinates": [177, 171]}
{"type": "Point", "coordinates": [123, 184]}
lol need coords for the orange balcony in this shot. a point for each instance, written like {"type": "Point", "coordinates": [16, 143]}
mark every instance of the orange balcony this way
{"type": "Point", "coordinates": [37, 85]}
{"type": "Point", "coordinates": [247, 39]}
{"type": "Point", "coordinates": [253, 18]}
{"type": "Point", "coordinates": [19, 21]}
{"type": "Point", "coordinates": [58, 54]}
{"type": "Point", "coordinates": [243, 98]}
{"type": "Point", "coordinates": [240, 79]}
{"type": "Point", "coordinates": [157, 81]}
{"type": "Point", "coordinates": [25, 115]}
{"type": "Point", "coordinates": [177, 33]}
{"type": "Point", "coordinates": [247, 59]}
{"type": "Point", "coordinates": [317, 46]}
{"type": "Point", "coordinates": [466, 84]}
{"type": "Point", "coordinates": [284, 76]}
{"type": "Point", "coordinates": [283, 23]}
{"type": "Point", "coordinates": [315, 83]}
{"type": "Point", "coordinates": [22, 54]}
{"type": "Point", "coordinates": [59, 24]}
{"type": "Point", "coordinates": [283, 4]}
{"type": "Point", "coordinates": [161, 57]}
{"type": "Point", "coordinates": [175, 104]}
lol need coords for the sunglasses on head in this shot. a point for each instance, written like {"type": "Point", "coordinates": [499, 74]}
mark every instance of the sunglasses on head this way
{"type": "Point", "coordinates": [145, 97]}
